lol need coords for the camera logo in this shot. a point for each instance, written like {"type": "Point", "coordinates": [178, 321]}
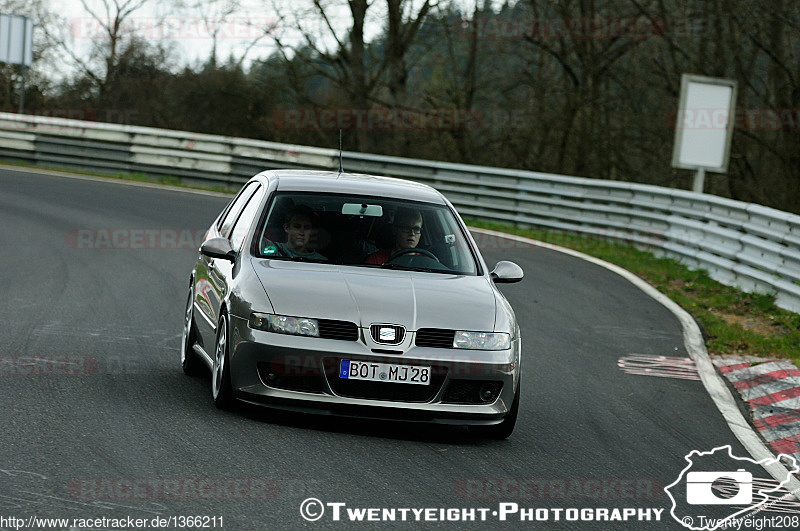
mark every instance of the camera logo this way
{"type": "Point", "coordinates": [719, 488]}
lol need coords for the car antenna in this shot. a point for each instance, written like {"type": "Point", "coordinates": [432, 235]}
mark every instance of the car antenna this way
{"type": "Point", "coordinates": [340, 152]}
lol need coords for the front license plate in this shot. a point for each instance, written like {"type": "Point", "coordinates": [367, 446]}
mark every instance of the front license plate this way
{"type": "Point", "coordinates": [384, 372]}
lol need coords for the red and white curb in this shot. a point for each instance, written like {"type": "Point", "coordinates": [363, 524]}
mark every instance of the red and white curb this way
{"type": "Point", "coordinates": [771, 388]}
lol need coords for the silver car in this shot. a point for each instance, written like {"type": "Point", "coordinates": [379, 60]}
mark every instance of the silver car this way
{"type": "Point", "coordinates": [353, 295]}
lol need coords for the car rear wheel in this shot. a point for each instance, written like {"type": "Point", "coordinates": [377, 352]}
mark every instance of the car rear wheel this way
{"type": "Point", "coordinates": [505, 428]}
{"type": "Point", "coordinates": [189, 361]}
{"type": "Point", "coordinates": [221, 389]}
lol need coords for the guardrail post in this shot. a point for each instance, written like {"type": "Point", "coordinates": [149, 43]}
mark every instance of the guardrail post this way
{"type": "Point", "coordinates": [699, 180]}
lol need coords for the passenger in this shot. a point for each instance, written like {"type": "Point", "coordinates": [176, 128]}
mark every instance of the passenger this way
{"type": "Point", "coordinates": [301, 232]}
{"type": "Point", "coordinates": [406, 229]}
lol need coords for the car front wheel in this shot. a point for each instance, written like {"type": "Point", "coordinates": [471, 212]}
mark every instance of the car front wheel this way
{"type": "Point", "coordinates": [221, 389]}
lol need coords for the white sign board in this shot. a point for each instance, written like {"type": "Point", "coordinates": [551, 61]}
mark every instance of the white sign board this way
{"type": "Point", "coordinates": [16, 40]}
{"type": "Point", "coordinates": [704, 125]}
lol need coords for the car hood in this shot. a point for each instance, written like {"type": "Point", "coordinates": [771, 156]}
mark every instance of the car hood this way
{"type": "Point", "coordinates": [366, 295]}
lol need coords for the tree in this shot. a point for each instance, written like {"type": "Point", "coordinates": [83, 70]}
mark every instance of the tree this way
{"type": "Point", "coordinates": [366, 75]}
{"type": "Point", "coordinates": [217, 15]}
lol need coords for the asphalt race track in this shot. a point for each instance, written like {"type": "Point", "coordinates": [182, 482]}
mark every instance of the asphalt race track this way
{"type": "Point", "coordinates": [99, 420]}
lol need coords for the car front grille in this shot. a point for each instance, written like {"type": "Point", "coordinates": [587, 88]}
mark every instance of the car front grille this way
{"type": "Point", "coordinates": [343, 330]}
{"type": "Point", "coordinates": [397, 334]}
{"type": "Point", "coordinates": [435, 337]}
{"type": "Point", "coordinates": [390, 391]}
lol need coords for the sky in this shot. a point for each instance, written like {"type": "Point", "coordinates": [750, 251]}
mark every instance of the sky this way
{"type": "Point", "coordinates": [188, 29]}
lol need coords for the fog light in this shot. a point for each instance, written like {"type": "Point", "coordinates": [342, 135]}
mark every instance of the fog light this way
{"type": "Point", "coordinates": [487, 392]}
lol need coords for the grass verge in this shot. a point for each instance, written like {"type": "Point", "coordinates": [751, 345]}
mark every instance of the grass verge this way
{"type": "Point", "coordinates": [735, 322]}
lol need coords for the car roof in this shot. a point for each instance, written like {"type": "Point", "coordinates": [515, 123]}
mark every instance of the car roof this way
{"type": "Point", "coordinates": [351, 183]}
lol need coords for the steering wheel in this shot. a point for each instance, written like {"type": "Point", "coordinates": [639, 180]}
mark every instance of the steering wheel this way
{"type": "Point", "coordinates": [411, 250]}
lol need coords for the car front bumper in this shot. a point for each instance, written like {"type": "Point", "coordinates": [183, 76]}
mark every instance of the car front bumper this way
{"type": "Point", "coordinates": [301, 374]}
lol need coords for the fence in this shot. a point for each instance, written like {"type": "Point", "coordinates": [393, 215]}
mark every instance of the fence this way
{"type": "Point", "coordinates": [750, 246]}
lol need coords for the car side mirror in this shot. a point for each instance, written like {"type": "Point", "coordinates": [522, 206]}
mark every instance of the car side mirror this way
{"type": "Point", "coordinates": [506, 273]}
{"type": "Point", "coordinates": [218, 248]}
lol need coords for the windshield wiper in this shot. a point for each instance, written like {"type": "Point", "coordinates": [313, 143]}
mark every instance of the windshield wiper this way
{"type": "Point", "coordinates": [400, 267]}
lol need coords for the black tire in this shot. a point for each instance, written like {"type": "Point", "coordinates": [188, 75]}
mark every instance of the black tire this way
{"type": "Point", "coordinates": [221, 389]}
{"type": "Point", "coordinates": [189, 361]}
{"type": "Point", "coordinates": [505, 428]}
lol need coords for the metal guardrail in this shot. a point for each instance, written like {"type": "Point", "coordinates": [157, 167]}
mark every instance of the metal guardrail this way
{"type": "Point", "coordinates": [750, 246]}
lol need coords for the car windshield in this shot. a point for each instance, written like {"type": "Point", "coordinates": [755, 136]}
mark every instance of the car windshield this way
{"type": "Point", "coordinates": [364, 231]}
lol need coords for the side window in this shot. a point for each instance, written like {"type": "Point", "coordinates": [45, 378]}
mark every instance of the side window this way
{"type": "Point", "coordinates": [227, 209]}
{"type": "Point", "coordinates": [236, 207]}
{"type": "Point", "coordinates": [244, 224]}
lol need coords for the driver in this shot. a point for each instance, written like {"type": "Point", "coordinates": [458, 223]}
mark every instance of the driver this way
{"type": "Point", "coordinates": [406, 229]}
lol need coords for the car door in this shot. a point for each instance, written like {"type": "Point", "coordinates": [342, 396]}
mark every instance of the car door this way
{"type": "Point", "coordinates": [211, 274]}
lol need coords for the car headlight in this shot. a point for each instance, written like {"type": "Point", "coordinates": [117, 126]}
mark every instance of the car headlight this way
{"type": "Point", "coordinates": [482, 340]}
{"type": "Point", "coordinates": [283, 324]}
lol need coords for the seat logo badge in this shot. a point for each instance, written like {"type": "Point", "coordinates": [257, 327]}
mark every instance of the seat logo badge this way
{"type": "Point", "coordinates": [387, 334]}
